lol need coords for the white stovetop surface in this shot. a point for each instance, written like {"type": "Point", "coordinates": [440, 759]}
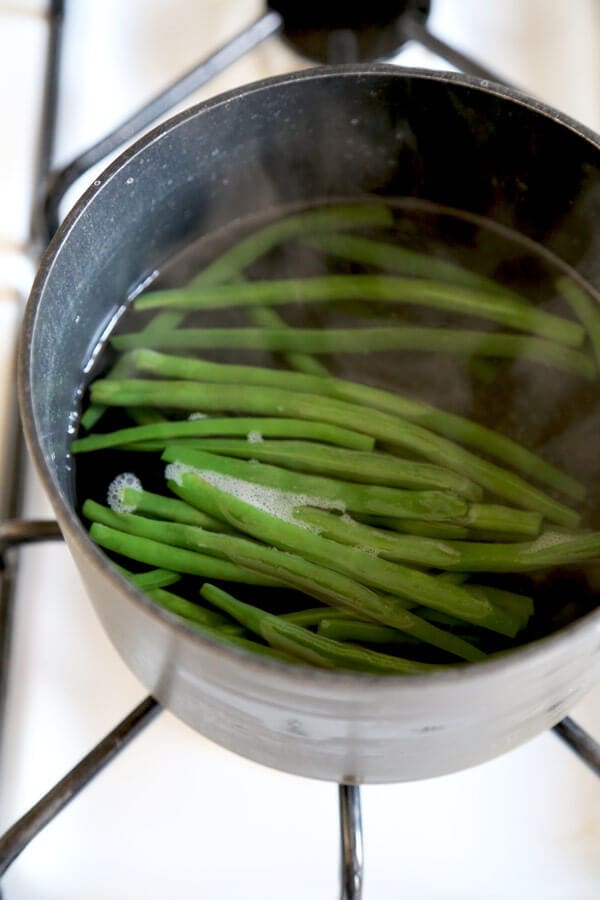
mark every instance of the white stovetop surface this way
{"type": "Point", "coordinates": [175, 816]}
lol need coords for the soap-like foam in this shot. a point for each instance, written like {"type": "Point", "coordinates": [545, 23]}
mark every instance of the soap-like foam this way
{"type": "Point", "coordinates": [348, 519]}
{"type": "Point", "coordinates": [193, 417]}
{"type": "Point", "coordinates": [280, 504]}
{"type": "Point", "coordinates": [114, 496]}
{"type": "Point", "coordinates": [549, 539]}
{"type": "Point", "coordinates": [255, 437]}
{"type": "Point", "coordinates": [175, 472]}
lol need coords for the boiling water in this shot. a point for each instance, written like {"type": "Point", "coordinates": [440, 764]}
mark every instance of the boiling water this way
{"type": "Point", "coordinates": [551, 412]}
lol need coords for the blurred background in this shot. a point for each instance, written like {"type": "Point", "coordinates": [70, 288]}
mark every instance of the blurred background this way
{"type": "Point", "coordinates": [174, 815]}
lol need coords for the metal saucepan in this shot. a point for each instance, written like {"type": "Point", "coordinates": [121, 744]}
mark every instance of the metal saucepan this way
{"type": "Point", "coordinates": [349, 131]}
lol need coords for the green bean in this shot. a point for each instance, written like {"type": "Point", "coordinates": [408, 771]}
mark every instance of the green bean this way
{"type": "Point", "coordinates": [367, 340]}
{"type": "Point", "coordinates": [380, 425]}
{"type": "Point", "coordinates": [142, 416]}
{"type": "Point", "coordinates": [511, 621]}
{"type": "Point", "coordinates": [265, 317]}
{"type": "Point", "coordinates": [311, 648]}
{"type": "Point", "coordinates": [483, 369]}
{"type": "Point", "coordinates": [352, 465]}
{"type": "Point", "coordinates": [267, 427]}
{"type": "Point", "coordinates": [440, 618]}
{"type": "Point", "coordinates": [185, 561]}
{"type": "Point", "coordinates": [420, 551]}
{"type": "Point", "coordinates": [234, 260]}
{"type": "Point", "coordinates": [308, 617]}
{"type": "Point", "coordinates": [326, 218]}
{"type": "Point", "coordinates": [224, 546]}
{"type": "Point", "coordinates": [459, 428]}
{"type": "Point", "coordinates": [158, 507]}
{"type": "Point", "coordinates": [193, 612]}
{"type": "Point", "coordinates": [451, 531]}
{"type": "Point", "coordinates": [153, 446]}
{"type": "Point", "coordinates": [166, 321]}
{"type": "Point", "coordinates": [392, 578]}
{"type": "Point", "coordinates": [163, 323]}
{"type": "Point", "coordinates": [230, 635]}
{"type": "Point", "coordinates": [525, 603]}
{"type": "Point", "coordinates": [286, 568]}
{"type": "Point", "coordinates": [244, 643]}
{"type": "Point", "coordinates": [494, 519]}
{"type": "Point", "coordinates": [362, 632]}
{"type": "Point", "coordinates": [453, 577]}
{"type": "Point", "coordinates": [287, 636]}
{"type": "Point", "coordinates": [549, 549]}
{"type": "Point", "coordinates": [330, 586]}
{"type": "Point", "coordinates": [586, 308]}
{"type": "Point", "coordinates": [517, 605]}
{"type": "Point", "coordinates": [490, 305]}
{"type": "Point", "coordinates": [154, 579]}
{"type": "Point", "coordinates": [168, 531]}
{"type": "Point", "coordinates": [444, 530]}
{"type": "Point", "coordinates": [330, 492]}
{"type": "Point", "coordinates": [400, 259]}
{"type": "Point", "coordinates": [352, 628]}
{"type": "Point", "coordinates": [95, 411]}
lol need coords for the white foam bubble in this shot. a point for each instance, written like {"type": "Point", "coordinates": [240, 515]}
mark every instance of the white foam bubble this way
{"type": "Point", "coordinates": [348, 519]}
{"type": "Point", "coordinates": [549, 539]}
{"type": "Point", "coordinates": [193, 417]}
{"type": "Point", "coordinates": [255, 437]}
{"type": "Point", "coordinates": [114, 494]}
{"type": "Point", "coordinates": [277, 503]}
{"type": "Point", "coordinates": [176, 470]}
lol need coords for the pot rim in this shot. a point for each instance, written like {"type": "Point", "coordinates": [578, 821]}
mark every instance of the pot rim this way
{"type": "Point", "coordinates": [544, 649]}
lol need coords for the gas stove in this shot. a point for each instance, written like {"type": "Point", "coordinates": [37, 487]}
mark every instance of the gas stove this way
{"type": "Point", "coordinates": [174, 815]}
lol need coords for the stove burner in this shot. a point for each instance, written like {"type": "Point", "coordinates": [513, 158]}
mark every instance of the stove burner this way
{"type": "Point", "coordinates": [335, 31]}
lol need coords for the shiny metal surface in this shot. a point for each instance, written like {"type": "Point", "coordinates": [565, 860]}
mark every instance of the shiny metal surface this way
{"type": "Point", "coordinates": [325, 725]}
{"type": "Point", "coordinates": [19, 531]}
{"type": "Point", "coordinates": [352, 842]}
{"type": "Point", "coordinates": [580, 742]}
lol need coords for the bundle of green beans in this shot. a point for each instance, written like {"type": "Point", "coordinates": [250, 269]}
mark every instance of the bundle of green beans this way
{"type": "Point", "coordinates": [304, 487]}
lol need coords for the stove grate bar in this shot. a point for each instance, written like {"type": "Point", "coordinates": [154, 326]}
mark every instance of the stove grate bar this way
{"type": "Point", "coordinates": [11, 502]}
{"type": "Point", "coordinates": [14, 532]}
{"type": "Point", "coordinates": [49, 119]}
{"type": "Point", "coordinates": [414, 30]}
{"type": "Point", "coordinates": [351, 842]}
{"type": "Point", "coordinates": [241, 44]}
{"type": "Point", "coordinates": [16, 839]}
{"type": "Point", "coordinates": [580, 742]}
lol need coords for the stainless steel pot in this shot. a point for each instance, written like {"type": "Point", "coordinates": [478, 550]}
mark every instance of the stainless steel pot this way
{"type": "Point", "coordinates": [351, 132]}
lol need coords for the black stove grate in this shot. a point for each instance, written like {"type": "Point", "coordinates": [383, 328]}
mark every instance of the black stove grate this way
{"type": "Point", "coordinates": [51, 186]}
